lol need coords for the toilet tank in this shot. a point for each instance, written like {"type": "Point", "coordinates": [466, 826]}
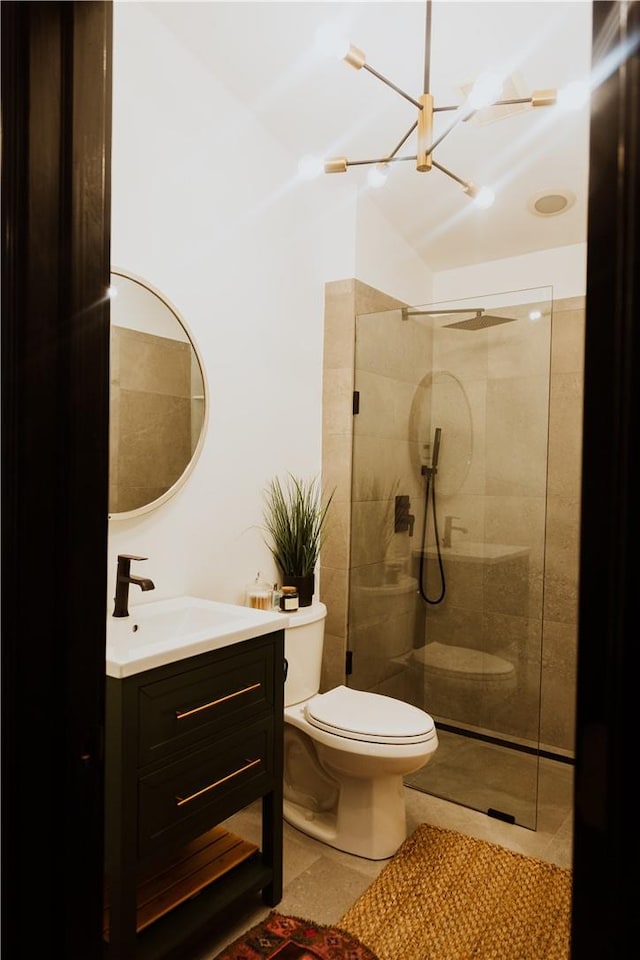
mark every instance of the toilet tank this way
{"type": "Point", "coordinates": [303, 644]}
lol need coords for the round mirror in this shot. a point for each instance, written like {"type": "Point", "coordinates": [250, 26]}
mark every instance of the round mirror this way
{"type": "Point", "coordinates": [157, 400]}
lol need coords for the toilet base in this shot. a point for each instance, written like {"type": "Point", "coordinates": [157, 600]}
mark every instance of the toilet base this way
{"type": "Point", "coordinates": [369, 819]}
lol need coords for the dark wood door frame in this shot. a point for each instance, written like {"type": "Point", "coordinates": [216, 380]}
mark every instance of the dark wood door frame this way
{"type": "Point", "coordinates": [605, 835]}
{"type": "Point", "coordinates": [56, 110]}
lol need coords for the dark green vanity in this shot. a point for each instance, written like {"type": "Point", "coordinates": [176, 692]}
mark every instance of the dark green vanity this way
{"type": "Point", "coordinates": [188, 744]}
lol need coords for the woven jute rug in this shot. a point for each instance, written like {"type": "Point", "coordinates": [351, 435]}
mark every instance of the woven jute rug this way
{"type": "Point", "coordinates": [446, 896]}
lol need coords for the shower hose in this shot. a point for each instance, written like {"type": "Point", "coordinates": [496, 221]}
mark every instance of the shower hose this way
{"type": "Point", "coordinates": [430, 495]}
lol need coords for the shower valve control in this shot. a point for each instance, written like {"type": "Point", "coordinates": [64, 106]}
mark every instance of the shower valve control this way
{"type": "Point", "coordinates": [404, 520]}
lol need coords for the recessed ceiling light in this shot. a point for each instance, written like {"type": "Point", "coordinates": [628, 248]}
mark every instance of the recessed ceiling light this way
{"type": "Point", "coordinates": [549, 203]}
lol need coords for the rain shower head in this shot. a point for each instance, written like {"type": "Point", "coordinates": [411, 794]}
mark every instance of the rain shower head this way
{"type": "Point", "coordinates": [481, 321]}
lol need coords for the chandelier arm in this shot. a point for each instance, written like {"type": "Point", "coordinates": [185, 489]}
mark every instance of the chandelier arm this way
{"type": "Point", "coordinates": [539, 98]}
{"type": "Point", "coordinates": [427, 48]}
{"type": "Point", "coordinates": [440, 313]}
{"type": "Point", "coordinates": [449, 173]}
{"type": "Point", "coordinates": [362, 163]}
{"type": "Point", "coordinates": [506, 103]}
{"type": "Point", "coordinates": [444, 134]}
{"type": "Point", "coordinates": [365, 66]}
{"type": "Point", "coordinates": [494, 103]}
{"type": "Point", "coordinates": [501, 103]}
{"type": "Point", "coordinates": [404, 139]}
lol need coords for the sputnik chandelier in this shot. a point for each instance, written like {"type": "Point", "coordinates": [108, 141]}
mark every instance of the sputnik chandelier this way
{"type": "Point", "coordinates": [483, 94]}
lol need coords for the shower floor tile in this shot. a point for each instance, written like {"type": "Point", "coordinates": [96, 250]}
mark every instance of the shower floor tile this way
{"type": "Point", "coordinates": [486, 776]}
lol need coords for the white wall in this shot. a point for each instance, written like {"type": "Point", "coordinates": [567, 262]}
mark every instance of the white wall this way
{"type": "Point", "coordinates": [206, 206]}
{"type": "Point", "coordinates": [385, 261]}
{"type": "Point", "coordinates": [562, 268]}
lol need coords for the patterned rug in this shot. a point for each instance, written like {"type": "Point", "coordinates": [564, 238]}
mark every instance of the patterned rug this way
{"type": "Point", "coordinates": [446, 896]}
{"type": "Point", "coordinates": [294, 938]}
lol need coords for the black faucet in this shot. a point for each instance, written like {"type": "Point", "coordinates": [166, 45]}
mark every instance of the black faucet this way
{"type": "Point", "coordinates": [449, 526]}
{"type": "Point", "coordinates": [123, 579]}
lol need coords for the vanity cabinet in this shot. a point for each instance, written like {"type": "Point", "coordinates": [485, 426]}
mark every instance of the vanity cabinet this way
{"type": "Point", "coordinates": [187, 745]}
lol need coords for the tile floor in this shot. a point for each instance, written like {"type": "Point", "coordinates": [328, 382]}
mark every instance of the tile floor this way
{"type": "Point", "coordinates": [321, 883]}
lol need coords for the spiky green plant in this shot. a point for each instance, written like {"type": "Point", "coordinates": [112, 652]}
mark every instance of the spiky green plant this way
{"type": "Point", "coordinates": [295, 523]}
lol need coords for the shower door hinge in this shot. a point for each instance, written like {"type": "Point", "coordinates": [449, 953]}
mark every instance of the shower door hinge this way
{"type": "Point", "coordinates": [348, 663]}
{"type": "Point", "coordinates": [356, 401]}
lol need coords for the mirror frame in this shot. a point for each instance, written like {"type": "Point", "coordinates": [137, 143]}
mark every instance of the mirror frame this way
{"type": "Point", "coordinates": [153, 504]}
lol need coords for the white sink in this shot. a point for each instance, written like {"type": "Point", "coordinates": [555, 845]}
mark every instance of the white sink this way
{"type": "Point", "coordinates": [163, 631]}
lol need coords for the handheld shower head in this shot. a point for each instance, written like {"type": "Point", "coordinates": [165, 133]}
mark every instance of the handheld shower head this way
{"type": "Point", "coordinates": [436, 448]}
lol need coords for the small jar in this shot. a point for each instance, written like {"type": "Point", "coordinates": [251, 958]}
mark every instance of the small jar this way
{"type": "Point", "coordinates": [289, 600]}
{"type": "Point", "coordinates": [275, 597]}
{"type": "Point", "coordinates": [259, 594]}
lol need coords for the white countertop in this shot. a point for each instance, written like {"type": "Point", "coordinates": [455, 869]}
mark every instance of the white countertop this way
{"type": "Point", "coordinates": [163, 631]}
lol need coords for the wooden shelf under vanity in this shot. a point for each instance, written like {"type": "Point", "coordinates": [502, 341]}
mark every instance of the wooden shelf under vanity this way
{"type": "Point", "coordinates": [185, 874]}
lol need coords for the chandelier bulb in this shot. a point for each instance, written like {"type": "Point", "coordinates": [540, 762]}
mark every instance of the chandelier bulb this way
{"type": "Point", "coordinates": [486, 90]}
{"type": "Point", "coordinates": [482, 197]}
{"type": "Point", "coordinates": [574, 96]}
{"type": "Point", "coordinates": [309, 167]}
{"type": "Point", "coordinates": [378, 175]}
{"type": "Point", "coordinates": [331, 42]}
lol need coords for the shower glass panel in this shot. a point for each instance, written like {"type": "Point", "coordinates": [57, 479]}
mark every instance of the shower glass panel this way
{"type": "Point", "coordinates": [449, 484]}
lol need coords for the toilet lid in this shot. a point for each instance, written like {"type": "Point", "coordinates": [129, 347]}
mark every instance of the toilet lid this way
{"type": "Point", "coordinates": [359, 715]}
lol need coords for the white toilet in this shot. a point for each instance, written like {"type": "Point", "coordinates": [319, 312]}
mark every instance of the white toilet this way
{"type": "Point", "coordinates": [346, 751]}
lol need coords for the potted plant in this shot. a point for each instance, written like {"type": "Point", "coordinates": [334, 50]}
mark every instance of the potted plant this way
{"type": "Point", "coordinates": [295, 516]}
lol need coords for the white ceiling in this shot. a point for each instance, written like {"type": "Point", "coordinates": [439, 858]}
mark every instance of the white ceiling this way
{"type": "Point", "coordinates": [265, 53]}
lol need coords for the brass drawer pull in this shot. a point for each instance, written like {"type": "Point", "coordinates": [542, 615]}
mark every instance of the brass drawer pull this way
{"type": "Point", "coordinates": [181, 714]}
{"type": "Point", "coordinates": [180, 801]}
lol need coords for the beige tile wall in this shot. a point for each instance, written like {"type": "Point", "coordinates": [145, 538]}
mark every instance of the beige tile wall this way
{"type": "Point", "coordinates": [500, 495]}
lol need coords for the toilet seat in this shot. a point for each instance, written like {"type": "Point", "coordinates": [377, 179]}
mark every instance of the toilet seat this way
{"type": "Point", "coordinates": [360, 715]}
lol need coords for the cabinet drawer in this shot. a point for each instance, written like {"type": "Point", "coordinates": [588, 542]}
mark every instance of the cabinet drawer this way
{"type": "Point", "coordinates": [183, 799]}
{"type": "Point", "coordinates": [177, 712]}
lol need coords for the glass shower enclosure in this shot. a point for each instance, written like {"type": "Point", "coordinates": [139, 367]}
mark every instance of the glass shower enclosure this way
{"type": "Point", "coordinates": [449, 479]}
